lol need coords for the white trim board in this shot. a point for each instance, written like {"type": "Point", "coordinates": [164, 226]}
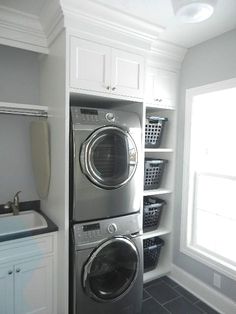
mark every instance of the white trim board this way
{"type": "Point", "coordinates": [21, 30]}
{"type": "Point", "coordinates": [207, 294]}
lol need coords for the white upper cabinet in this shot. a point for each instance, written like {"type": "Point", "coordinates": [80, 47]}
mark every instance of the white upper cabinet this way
{"type": "Point", "coordinates": [127, 73]}
{"type": "Point", "coordinates": [90, 65]}
{"type": "Point", "coordinates": [98, 68]}
{"type": "Point", "coordinates": [160, 87]}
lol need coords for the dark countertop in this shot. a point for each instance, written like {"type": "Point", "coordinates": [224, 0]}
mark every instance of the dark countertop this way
{"type": "Point", "coordinates": [31, 205]}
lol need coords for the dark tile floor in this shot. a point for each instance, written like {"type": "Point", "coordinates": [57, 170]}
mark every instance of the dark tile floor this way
{"type": "Point", "coordinates": [164, 296]}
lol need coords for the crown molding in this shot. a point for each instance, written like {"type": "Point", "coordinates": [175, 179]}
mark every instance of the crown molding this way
{"type": "Point", "coordinates": [165, 54]}
{"type": "Point", "coordinates": [169, 50]}
{"type": "Point", "coordinates": [106, 17]}
{"type": "Point", "coordinates": [51, 18]}
{"type": "Point", "coordinates": [21, 30]}
{"type": "Point", "coordinates": [92, 20]}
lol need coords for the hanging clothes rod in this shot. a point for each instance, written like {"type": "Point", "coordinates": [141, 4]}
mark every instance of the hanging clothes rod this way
{"type": "Point", "coordinates": [23, 110]}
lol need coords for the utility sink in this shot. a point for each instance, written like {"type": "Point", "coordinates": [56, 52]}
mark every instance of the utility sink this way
{"type": "Point", "coordinates": [25, 221]}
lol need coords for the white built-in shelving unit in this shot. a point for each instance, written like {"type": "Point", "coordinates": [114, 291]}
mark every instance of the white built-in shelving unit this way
{"type": "Point", "coordinates": [166, 109]}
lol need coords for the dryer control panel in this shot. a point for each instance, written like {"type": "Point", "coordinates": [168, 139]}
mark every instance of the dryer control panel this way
{"type": "Point", "coordinates": [91, 232]}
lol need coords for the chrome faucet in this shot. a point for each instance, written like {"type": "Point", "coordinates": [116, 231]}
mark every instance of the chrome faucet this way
{"type": "Point", "coordinates": [14, 205]}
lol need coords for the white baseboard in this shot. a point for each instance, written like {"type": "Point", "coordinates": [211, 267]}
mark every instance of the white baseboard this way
{"type": "Point", "coordinates": [207, 294]}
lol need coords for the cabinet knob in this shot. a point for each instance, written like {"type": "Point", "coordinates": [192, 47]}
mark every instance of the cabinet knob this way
{"type": "Point", "coordinates": [10, 272]}
{"type": "Point", "coordinates": [18, 270]}
{"type": "Point", "coordinates": [107, 87]}
{"type": "Point", "coordinates": [114, 88]}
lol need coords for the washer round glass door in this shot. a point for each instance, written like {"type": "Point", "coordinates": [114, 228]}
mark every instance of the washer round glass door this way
{"type": "Point", "coordinates": [111, 270]}
{"type": "Point", "coordinates": [109, 157]}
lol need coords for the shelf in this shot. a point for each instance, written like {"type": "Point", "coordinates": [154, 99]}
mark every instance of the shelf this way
{"type": "Point", "coordinates": [159, 271]}
{"type": "Point", "coordinates": [158, 107]}
{"type": "Point", "coordinates": [158, 232]}
{"type": "Point", "coordinates": [158, 150]}
{"type": "Point", "coordinates": [23, 109]}
{"type": "Point", "coordinates": [156, 192]}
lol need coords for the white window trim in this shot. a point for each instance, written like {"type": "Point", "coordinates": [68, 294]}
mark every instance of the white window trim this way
{"type": "Point", "coordinates": [186, 217]}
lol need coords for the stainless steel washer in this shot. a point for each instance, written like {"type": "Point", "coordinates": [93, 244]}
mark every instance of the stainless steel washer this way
{"type": "Point", "coordinates": [107, 179]}
{"type": "Point", "coordinates": [108, 266]}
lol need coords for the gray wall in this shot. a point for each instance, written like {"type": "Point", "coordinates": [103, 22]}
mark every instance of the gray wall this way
{"type": "Point", "coordinates": [19, 76]}
{"type": "Point", "coordinates": [212, 61]}
{"type": "Point", "coordinates": [19, 82]}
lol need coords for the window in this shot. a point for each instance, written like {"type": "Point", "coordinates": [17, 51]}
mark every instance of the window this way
{"type": "Point", "coordinates": [208, 230]}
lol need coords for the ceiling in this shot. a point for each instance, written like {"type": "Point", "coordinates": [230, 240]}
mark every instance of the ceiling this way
{"type": "Point", "coordinates": [159, 12]}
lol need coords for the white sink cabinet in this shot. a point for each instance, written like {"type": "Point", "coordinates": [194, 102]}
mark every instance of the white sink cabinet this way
{"type": "Point", "coordinates": [28, 275]}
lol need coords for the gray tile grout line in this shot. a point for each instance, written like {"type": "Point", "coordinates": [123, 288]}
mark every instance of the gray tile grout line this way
{"type": "Point", "coordinates": [186, 298]}
{"type": "Point", "coordinates": [158, 301]}
{"type": "Point", "coordinates": [159, 281]}
{"type": "Point", "coordinates": [149, 297]}
{"type": "Point", "coordinates": [175, 298]}
{"type": "Point", "coordinates": [198, 307]}
{"type": "Point", "coordinates": [177, 285]}
{"type": "Point", "coordinates": [159, 304]}
{"type": "Point", "coordinates": [180, 295]}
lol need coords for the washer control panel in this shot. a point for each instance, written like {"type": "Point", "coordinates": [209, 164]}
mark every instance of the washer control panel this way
{"type": "Point", "coordinates": [85, 233]}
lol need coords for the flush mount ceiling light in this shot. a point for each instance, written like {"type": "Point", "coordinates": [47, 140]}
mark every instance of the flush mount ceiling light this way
{"type": "Point", "coordinates": [193, 11]}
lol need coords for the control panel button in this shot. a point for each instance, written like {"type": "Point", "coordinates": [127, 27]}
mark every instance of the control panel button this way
{"type": "Point", "coordinates": [112, 228]}
{"type": "Point", "coordinates": [110, 117]}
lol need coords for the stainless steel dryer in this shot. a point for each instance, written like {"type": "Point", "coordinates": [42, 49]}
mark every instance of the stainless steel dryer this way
{"type": "Point", "coordinates": [108, 266]}
{"type": "Point", "coordinates": [107, 180]}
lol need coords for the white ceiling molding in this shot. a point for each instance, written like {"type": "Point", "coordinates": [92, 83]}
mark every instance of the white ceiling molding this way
{"type": "Point", "coordinates": [51, 18]}
{"type": "Point", "coordinates": [170, 51]}
{"type": "Point", "coordinates": [21, 30]}
{"type": "Point", "coordinates": [115, 20]}
{"type": "Point", "coordinates": [91, 20]}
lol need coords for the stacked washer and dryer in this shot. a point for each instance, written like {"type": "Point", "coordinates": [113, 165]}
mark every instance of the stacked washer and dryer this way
{"type": "Point", "coordinates": [106, 184]}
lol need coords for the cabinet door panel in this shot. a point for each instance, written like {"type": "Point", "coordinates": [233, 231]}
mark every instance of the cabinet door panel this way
{"type": "Point", "coordinates": [160, 87]}
{"type": "Point", "coordinates": [127, 74]}
{"type": "Point", "coordinates": [89, 65]}
{"type": "Point", "coordinates": [165, 84]}
{"type": "Point", "coordinates": [33, 287]}
{"type": "Point", "coordinates": [6, 290]}
{"type": "Point", "coordinates": [150, 86]}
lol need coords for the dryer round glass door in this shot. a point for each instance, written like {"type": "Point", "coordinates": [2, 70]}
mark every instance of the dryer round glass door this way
{"type": "Point", "coordinates": [111, 270]}
{"type": "Point", "coordinates": [109, 157]}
